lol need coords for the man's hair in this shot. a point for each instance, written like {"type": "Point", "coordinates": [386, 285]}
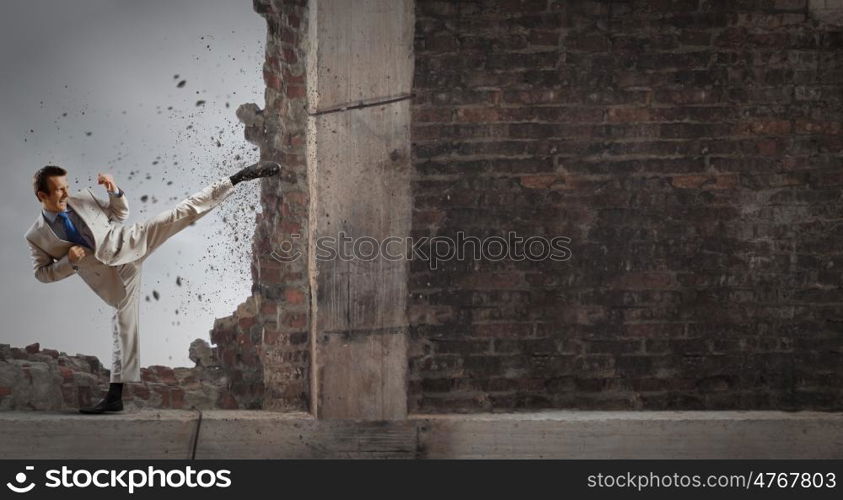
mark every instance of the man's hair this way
{"type": "Point", "coordinates": [39, 180]}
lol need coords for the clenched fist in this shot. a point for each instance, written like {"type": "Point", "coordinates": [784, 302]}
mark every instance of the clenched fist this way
{"type": "Point", "coordinates": [76, 253]}
{"type": "Point", "coordinates": [108, 181]}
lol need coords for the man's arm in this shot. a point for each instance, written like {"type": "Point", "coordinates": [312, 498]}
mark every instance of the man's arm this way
{"type": "Point", "coordinates": [117, 205]}
{"type": "Point", "coordinates": [44, 267]}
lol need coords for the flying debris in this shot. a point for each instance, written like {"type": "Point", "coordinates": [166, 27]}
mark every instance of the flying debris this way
{"type": "Point", "coordinates": [181, 84]}
{"type": "Point", "coordinates": [155, 294]}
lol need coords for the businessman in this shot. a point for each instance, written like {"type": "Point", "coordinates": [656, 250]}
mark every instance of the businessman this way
{"type": "Point", "coordinates": [82, 234]}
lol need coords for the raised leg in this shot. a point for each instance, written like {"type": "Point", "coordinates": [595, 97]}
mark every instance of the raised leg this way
{"type": "Point", "coordinates": [138, 241]}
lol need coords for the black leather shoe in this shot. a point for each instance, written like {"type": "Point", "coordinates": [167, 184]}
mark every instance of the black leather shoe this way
{"type": "Point", "coordinates": [257, 170]}
{"type": "Point", "coordinates": [104, 406]}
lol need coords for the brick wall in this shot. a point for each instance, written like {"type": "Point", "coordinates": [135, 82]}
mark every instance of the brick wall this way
{"type": "Point", "coordinates": [270, 328]}
{"type": "Point", "coordinates": [278, 325]}
{"type": "Point", "coordinates": [33, 378]}
{"type": "Point", "coordinates": [691, 150]}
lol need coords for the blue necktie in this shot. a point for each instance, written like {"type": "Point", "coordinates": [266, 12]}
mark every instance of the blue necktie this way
{"type": "Point", "coordinates": [71, 231]}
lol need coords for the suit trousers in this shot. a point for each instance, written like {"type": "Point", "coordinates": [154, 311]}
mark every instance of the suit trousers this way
{"type": "Point", "coordinates": [148, 236]}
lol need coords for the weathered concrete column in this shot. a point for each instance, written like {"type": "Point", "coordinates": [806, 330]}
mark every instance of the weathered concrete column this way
{"type": "Point", "coordinates": [359, 78]}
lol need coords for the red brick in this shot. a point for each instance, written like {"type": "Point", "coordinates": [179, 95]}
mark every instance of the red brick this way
{"type": "Point", "coordinates": [139, 391]}
{"type": "Point", "coordinates": [502, 280]}
{"type": "Point", "coordinates": [272, 81]}
{"type": "Point", "coordinates": [293, 20]}
{"type": "Point", "coordinates": [289, 56]}
{"type": "Point", "coordinates": [294, 296]}
{"type": "Point", "coordinates": [228, 357]}
{"type": "Point", "coordinates": [768, 147]}
{"type": "Point", "coordinates": [66, 373]}
{"type": "Point", "coordinates": [297, 198]}
{"type": "Point", "coordinates": [148, 375]}
{"type": "Point", "coordinates": [177, 398]}
{"type": "Point", "coordinates": [628, 115]}
{"type": "Point", "coordinates": [645, 281]}
{"type": "Point", "coordinates": [294, 320]}
{"type": "Point", "coordinates": [540, 181]}
{"type": "Point", "coordinates": [817, 127]}
{"type": "Point", "coordinates": [721, 181]}
{"type": "Point", "coordinates": [288, 36]}
{"type": "Point", "coordinates": [165, 374]}
{"type": "Point", "coordinates": [269, 308]}
{"type": "Point", "coordinates": [273, 63]}
{"type": "Point", "coordinates": [244, 340]}
{"type": "Point", "coordinates": [164, 392]}
{"type": "Point", "coordinates": [226, 401]}
{"type": "Point", "coordinates": [246, 323]}
{"type": "Point", "coordinates": [222, 336]}
{"type": "Point", "coordinates": [272, 337]}
{"type": "Point", "coordinates": [476, 115]}
{"type": "Point", "coordinates": [296, 91]}
{"type": "Point", "coordinates": [764, 126]}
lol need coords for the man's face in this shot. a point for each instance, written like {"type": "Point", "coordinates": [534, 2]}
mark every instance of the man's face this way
{"type": "Point", "coordinates": [56, 200]}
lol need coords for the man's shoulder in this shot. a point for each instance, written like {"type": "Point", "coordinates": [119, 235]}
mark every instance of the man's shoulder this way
{"type": "Point", "coordinates": [83, 194]}
{"type": "Point", "coordinates": [33, 229]}
{"type": "Point", "coordinates": [84, 198]}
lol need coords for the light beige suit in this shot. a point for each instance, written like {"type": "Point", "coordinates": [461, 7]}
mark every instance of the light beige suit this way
{"type": "Point", "coordinates": [113, 271]}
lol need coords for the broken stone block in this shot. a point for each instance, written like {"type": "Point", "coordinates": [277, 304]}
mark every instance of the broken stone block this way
{"type": "Point", "coordinates": [250, 115]}
{"type": "Point", "coordinates": [50, 352]}
{"type": "Point", "coordinates": [38, 388]}
{"type": "Point", "coordinates": [200, 353]}
{"type": "Point", "coordinates": [45, 358]}
{"type": "Point", "coordinates": [49, 380]}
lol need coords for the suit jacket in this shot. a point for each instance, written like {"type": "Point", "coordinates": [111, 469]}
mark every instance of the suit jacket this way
{"type": "Point", "coordinates": [49, 252]}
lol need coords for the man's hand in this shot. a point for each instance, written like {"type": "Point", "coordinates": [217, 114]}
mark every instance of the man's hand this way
{"type": "Point", "coordinates": [76, 253]}
{"type": "Point", "coordinates": [108, 181]}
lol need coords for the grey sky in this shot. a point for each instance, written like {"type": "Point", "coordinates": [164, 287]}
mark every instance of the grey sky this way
{"type": "Point", "coordinates": [90, 85]}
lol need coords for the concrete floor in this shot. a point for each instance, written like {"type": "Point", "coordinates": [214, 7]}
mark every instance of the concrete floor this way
{"type": "Point", "coordinates": [220, 434]}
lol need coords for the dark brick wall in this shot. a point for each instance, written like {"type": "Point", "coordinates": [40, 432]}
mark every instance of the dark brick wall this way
{"type": "Point", "coordinates": [691, 150]}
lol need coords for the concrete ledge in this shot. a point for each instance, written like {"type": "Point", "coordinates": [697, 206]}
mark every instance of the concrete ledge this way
{"type": "Point", "coordinates": [244, 434]}
{"type": "Point", "coordinates": [149, 434]}
{"type": "Point", "coordinates": [635, 435]}
{"type": "Point", "coordinates": [224, 434]}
